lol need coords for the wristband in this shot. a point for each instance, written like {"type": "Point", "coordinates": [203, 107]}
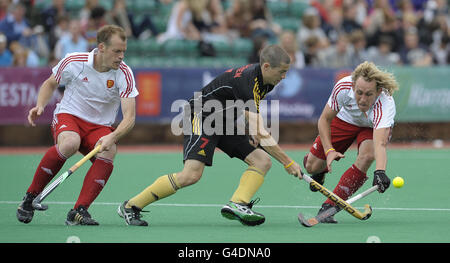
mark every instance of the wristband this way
{"type": "Point", "coordinates": [329, 150]}
{"type": "Point", "coordinates": [289, 165]}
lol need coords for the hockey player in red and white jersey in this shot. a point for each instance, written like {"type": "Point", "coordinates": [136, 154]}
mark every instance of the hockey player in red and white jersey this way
{"type": "Point", "coordinates": [96, 84]}
{"type": "Point", "coordinates": [360, 108]}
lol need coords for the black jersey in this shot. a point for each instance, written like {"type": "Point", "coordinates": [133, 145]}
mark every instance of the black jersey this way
{"type": "Point", "coordinates": [244, 84]}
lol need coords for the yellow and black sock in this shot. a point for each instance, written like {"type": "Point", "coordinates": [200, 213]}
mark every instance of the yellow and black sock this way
{"type": "Point", "coordinates": [250, 182]}
{"type": "Point", "coordinates": [164, 186]}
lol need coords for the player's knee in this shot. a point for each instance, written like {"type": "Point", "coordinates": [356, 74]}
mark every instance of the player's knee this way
{"type": "Point", "coordinates": [366, 158]}
{"type": "Point", "coordinates": [264, 163]}
{"type": "Point", "coordinates": [313, 168]}
{"type": "Point", "coordinates": [309, 167]}
{"type": "Point", "coordinates": [313, 165]}
{"type": "Point", "coordinates": [190, 178]}
{"type": "Point", "coordinates": [192, 172]}
{"type": "Point", "coordinates": [69, 145]}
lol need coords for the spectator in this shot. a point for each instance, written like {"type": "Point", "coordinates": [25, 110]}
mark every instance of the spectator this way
{"type": "Point", "coordinates": [333, 27]}
{"type": "Point", "coordinates": [323, 8]}
{"type": "Point", "coordinates": [441, 51]}
{"type": "Point", "coordinates": [61, 28]}
{"type": "Point", "coordinates": [290, 45]}
{"type": "Point", "coordinates": [23, 56]}
{"type": "Point", "coordinates": [209, 18]}
{"type": "Point", "coordinates": [95, 22]}
{"type": "Point", "coordinates": [311, 27]}
{"type": "Point", "coordinates": [338, 55]}
{"type": "Point", "coordinates": [195, 20]}
{"type": "Point", "coordinates": [382, 55]}
{"type": "Point", "coordinates": [238, 18]}
{"type": "Point", "coordinates": [361, 11]}
{"type": "Point", "coordinates": [413, 53]}
{"type": "Point", "coordinates": [434, 7]}
{"type": "Point", "coordinates": [75, 42]}
{"type": "Point", "coordinates": [409, 20]}
{"type": "Point", "coordinates": [390, 28]}
{"type": "Point", "coordinates": [50, 19]}
{"type": "Point", "coordinates": [14, 25]}
{"type": "Point", "coordinates": [358, 42]}
{"type": "Point", "coordinates": [406, 7]}
{"type": "Point", "coordinates": [262, 22]}
{"type": "Point", "coordinates": [349, 23]}
{"type": "Point", "coordinates": [85, 12]}
{"type": "Point", "coordinates": [119, 15]}
{"type": "Point", "coordinates": [252, 19]}
{"type": "Point", "coordinates": [259, 43]}
{"type": "Point", "coordinates": [37, 41]}
{"type": "Point", "coordinates": [180, 24]}
{"type": "Point", "coordinates": [311, 50]}
{"type": "Point", "coordinates": [6, 57]}
{"type": "Point", "coordinates": [377, 16]}
{"type": "Point", "coordinates": [51, 14]}
{"type": "Point", "coordinates": [4, 4]}
{"type": "Point", "coordinates": [441, 29]}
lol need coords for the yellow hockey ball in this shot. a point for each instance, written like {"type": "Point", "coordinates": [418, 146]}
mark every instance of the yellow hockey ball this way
{"type": "Point", "coordinates": [398, 182]}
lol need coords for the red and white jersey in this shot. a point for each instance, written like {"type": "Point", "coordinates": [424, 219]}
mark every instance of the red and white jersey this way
{"type": "Point", "coordinates": [89, 94]}
{"type": "Point", "coordinates": [342, 99]}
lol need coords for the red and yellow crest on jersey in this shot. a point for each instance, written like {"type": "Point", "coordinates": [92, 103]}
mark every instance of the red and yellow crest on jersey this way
{"type": "Point", "coordinates": [109, 83]}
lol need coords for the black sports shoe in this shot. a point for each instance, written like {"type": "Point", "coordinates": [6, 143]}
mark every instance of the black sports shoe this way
{"type": "Point", "coordinates": [330, 219]}
{"type": "Point", "coordinates": [131, 215]}
{"type": "Point", "coordinates": [25, 211]}
{"type": "Point", "coordinates": [80, 216]}
{"type": "Point", "coordinates": [319, 178]}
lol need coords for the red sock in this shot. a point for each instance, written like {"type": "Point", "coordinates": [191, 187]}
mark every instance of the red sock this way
{"type": "Point", "coordinates": [349, 183]}
{"type": "Point", "coordinates": [49, 166]}
{"type": "Point", "coordinates": [95, 180]}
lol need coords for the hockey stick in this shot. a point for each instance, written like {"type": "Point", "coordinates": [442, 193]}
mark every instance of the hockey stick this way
{"type": "Point", "coordinates": [339, 201]}
{"type": "Point", "coordinates": [333, 210]}
{"type": "Point", "coordinates": [37, 201]}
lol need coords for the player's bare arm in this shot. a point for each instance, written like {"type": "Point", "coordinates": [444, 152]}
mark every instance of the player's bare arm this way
{"type": "Point", "coordinates": [45, 94]}
{"type": "Point", "coordinates": [129, 115]}
{"type": "Point", "coordinates": [381, 140]}
{"type": "Point", "coordinates": [324, 126]}
{"type": "Point", "coordinates": [256, 128]}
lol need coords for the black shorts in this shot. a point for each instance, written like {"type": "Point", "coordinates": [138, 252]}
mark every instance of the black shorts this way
{"type": "Point", "coordinates": [201, 147]}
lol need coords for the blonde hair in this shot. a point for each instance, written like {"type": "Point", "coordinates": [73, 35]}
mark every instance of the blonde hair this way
{"type": "Point", "coordinates": [105, 33]}
{"type": "Point", "coordinates": [384, 80]}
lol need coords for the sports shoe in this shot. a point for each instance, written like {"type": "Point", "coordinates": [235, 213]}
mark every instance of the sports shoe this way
{"type": "Point", "coordinates": [319, 178]}
{"type": "Point", "coordinates": [243, 213]}
{"type": "Point", "coordinates": [330, 219]}
{"type": "Point", "coordinates": [25, 211]}
{"type": "Point", "coordinates": [131, 215]}
{"type": "Point", "coordinates": [80, 216]}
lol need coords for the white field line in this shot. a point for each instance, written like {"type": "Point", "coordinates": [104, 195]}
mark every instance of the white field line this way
{"type": "Point", "coordinates": [260, 206]}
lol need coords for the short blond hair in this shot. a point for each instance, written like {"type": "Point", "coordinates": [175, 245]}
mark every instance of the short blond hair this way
{"type": "Point", "coordinates": [105, 33]}
{"type": "Point", "coordinates": [384, 80]}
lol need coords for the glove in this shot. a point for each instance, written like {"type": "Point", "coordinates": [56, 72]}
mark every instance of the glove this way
{"type": "Point", "coordinates": [380, 179]}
